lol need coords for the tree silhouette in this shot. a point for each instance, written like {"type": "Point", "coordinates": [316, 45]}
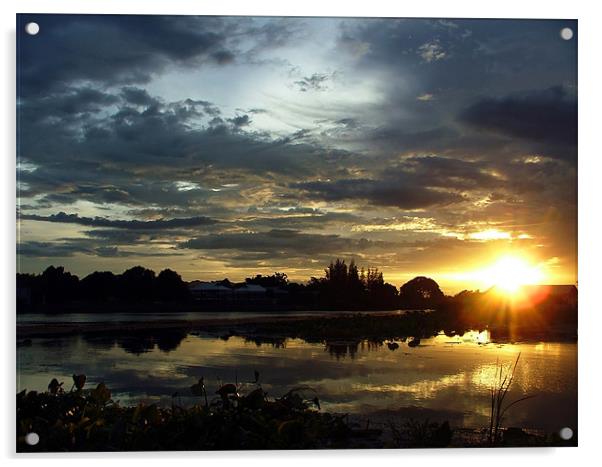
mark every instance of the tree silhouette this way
{"type": "Point", "coordinates": [98, 286]}
{"type": "Point", "coordinates": [373, 279]}
{"type": "Point", "coordinates": [278, 279]}
{"type": "Point", "coordinates": [58, 286]}
{"type": "Point", "coordinates": [136, 284]}
{"type": "Point", "coordinates": [421, 292]}
{"type": "Point", "coordinates": [336, 274]}
{"type": "Point", "coordinates": [169, 286]}
{"type": "Point", "coordinates": [343, 287]}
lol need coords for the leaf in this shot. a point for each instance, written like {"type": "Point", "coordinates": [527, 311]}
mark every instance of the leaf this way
{"type": "Point", "coordinates": [198, 388]}
{"type": "Point", "coordinates": [255, 399]}
{"type": "Point", "coordinates": [101, 393]}
{"type": "Point", "coordinates": [54, 387]}
{"type": "Point", "coordinates": [226, 389]}
{"type": "Point", "coordinates": [79, 381]}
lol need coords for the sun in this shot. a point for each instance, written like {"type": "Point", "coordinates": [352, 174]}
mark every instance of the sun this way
{"type": "Point", "coordinates": [509, 273]}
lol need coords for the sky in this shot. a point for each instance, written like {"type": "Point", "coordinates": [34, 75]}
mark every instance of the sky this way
{"type": "Point", "coordinates": [234, 146]}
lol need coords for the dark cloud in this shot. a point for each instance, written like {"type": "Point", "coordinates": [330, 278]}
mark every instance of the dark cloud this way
{"type": "Point", "coordinates": [71, 103]}
{"type": "Point", "coordinates": [379, 192]}
{"type": "Point", "coordinates": [116, 252]}
{"type": "Point", "coordinates": [300, 218]}
{"type": "Point", "coordinates": [119, 236]}
{"type": "Point", "coordinates": [138, 96]}
{"type": "Point", "coordinates": [414, 183]}
{"type": "Point", "coordinates": [548, 116]}
{"type": "Point", "coordinates": [240, 120]}
{"type": "Point", "coordinates": [315, 82]}
{"type": "Point", "coordinates": [280, 241]}
{"type": "Point", "coordinates": [482, 59]}
{"type": "Point", "coordinates": [478, 55]}
{"type": "Point", "coordinates": [49, 249]}
{"type": "Point", "coordinates": [66, 248]}
{"type": "Point", "coordinates": [116, 49]}
{"type": "Point", "coordinates": [223, 57]}
{"type": "Point", "coordinates": [132, 49]}
{"type": "Point", "coordinates": [347, 122]}
{"type": "Point", "coordinates": [428, 182]}
{"type": "Point", "coordinates": [161, 135]}
{"type": "Point", "coordinates": [141, 154]}
{"type": "Point", "coordinates": [275, 33]}
{"type": "Point", "coordinates": [449, 173]}
{"type": "Point", "coordinates": [159, 224]}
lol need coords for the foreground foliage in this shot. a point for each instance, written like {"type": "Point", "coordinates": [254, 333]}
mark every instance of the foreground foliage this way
{"type": "Point", "coordinates": [89, 420]}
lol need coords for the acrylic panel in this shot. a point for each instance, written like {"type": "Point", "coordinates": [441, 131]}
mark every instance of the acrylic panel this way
{"type": "Point", "coordinates": [295, 233]}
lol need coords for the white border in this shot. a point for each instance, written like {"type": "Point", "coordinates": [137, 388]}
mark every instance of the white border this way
{"type": "Point", "coordinates": [590, 195]}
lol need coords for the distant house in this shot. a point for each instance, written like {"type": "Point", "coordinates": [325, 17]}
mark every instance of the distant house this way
{"type": "Point", "coordinates": [224, 294]}
{"type": "Point", "coordinates": [210, 291]}
{"type": "Point", "coordinates": [250, 293]}
{"type": "Point", "coordinates": [277, 292]}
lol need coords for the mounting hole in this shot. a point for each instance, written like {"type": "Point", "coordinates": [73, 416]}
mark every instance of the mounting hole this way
{"type": "Point", "coordinates": [566, 433]}
{"type": "Point", "coordinates": [32, 28]}
{"type": "Point", "coordinates": [32, 438]}
{"type": "Point", "coordinates": [566, 34]}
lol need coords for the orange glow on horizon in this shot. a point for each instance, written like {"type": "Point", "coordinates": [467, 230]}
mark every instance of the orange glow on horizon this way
{"type": "Point", "coordinates": [507, 274]}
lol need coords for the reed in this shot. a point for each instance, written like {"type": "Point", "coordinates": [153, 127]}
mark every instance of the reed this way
{"type": "Point", "coordinates": [504, 377]}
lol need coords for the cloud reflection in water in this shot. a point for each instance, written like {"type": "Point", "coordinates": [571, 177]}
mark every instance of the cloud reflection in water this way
{"type": "Point", "coordinates": [444, 376]}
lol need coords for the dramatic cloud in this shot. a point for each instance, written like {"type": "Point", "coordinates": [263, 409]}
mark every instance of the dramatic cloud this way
{"type": "Point", "coordinates": [144, 154]}
{"type": "Point", "coordinates": [138, 96]}
{"type": "Point", "coordinates": [380, 192]}
{"type": "Point", "coordinates": [415, 183]}
{"type": "Point", "coordinates": [283, 244]}
{"type": "Point", "coordinates": [114, 49]}
{"type": "Point", "coordinates": [49, 249]}
{"type": "Point", "coordinates": [548, 116]}
{"type": "Point", "coordinates": [227, 146]}
{"type": "Point", "coordinates": [62, 217]}
{"type": "Point", "coordinates": [69, 248]}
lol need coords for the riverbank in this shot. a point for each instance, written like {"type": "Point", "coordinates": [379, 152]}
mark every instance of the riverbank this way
{"type": "Point", "coordinates": [378, 326]}
{"type": "Point", "coordinates": [236, 418]}
{"type": "Point", "coordinates": [203, 323]}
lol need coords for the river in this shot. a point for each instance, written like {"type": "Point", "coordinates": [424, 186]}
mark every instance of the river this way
{"type": "Point", "coordinates": [443, 378]}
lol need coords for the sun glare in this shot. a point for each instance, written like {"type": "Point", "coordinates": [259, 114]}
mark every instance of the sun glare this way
{"type": "Point", "coordinates": [509, 273]}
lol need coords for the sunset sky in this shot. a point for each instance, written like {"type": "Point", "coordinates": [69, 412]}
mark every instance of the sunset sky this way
{"type": "Point", "coordinates": [226, 147]}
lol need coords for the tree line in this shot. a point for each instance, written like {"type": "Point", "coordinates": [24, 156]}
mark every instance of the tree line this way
{"type": "Point", "coordinates": [138, 284]}
{"type": "Point", "coordinates": [343, 286]}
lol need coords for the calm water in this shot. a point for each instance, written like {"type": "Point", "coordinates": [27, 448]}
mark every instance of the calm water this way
{"type": "Point", "coordinates": [443, 378]}
{"type": "Point", "coordinates": [30, 318]}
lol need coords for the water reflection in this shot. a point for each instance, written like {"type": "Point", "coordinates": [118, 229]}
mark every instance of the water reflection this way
{"type": "Point", "coordinates": [444, 376]}
{"type": "Point", "coordinates": [275, 342]}
{"type": "Point", "coordinates": [138, 342]}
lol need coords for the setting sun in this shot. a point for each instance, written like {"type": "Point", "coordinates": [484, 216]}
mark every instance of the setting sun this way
{"type": "Point", "coordinates": [506, 272]}
{"type": "Point", "coordinates": [509, 273]}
